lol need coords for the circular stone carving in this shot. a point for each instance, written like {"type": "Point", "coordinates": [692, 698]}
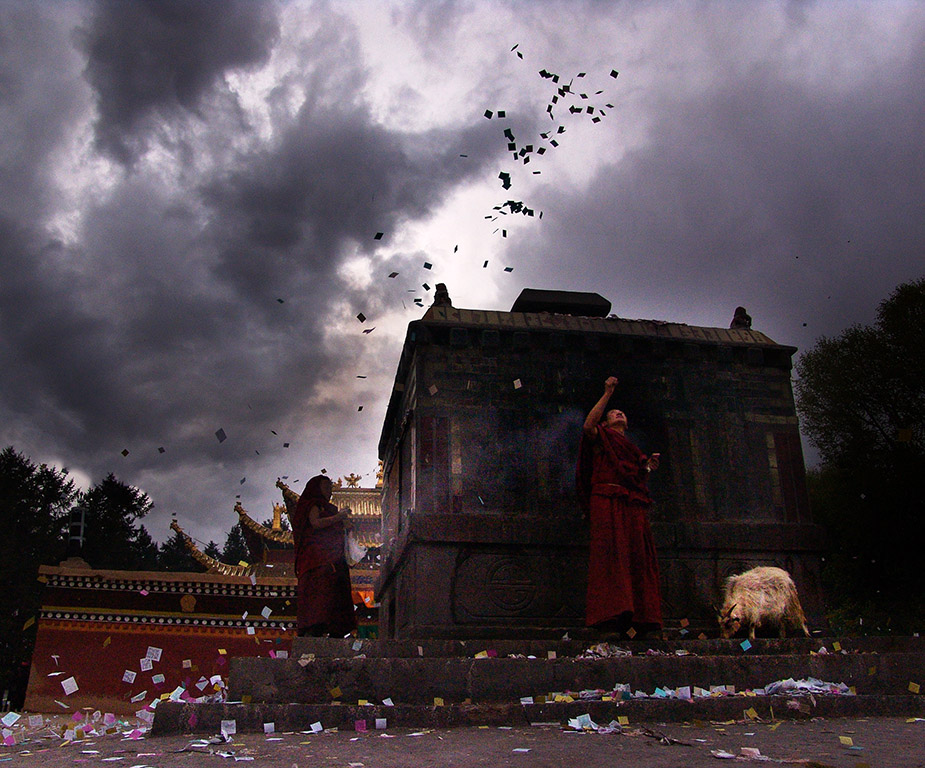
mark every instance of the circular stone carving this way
{"type": "Point", "coordinates": [509, 586]}
{"type": "Point", "coordinates": [187, 603]}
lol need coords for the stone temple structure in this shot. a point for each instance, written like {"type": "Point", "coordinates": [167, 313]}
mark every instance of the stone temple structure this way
{"type": "Point", "coordinates": [482, 535]}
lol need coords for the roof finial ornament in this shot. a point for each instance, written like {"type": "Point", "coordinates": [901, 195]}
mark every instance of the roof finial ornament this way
{"type": "Point", "coordinates": [741, 319]}
{"type": "Point", "coordinates": [442, 296]}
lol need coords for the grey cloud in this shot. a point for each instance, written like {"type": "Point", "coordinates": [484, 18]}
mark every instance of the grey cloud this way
{"type": "Point", "coordinates": [335, 179]}
{"type": "Point", "coordinates": [764, 190]}
{"type": "Point", "coordinates": [40, 100]}
{"type": "Point", "coordinates": [151, 58]}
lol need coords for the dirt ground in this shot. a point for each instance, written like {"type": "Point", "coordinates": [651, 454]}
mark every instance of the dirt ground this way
{"type": "Point", "coordinates": [836, 743]}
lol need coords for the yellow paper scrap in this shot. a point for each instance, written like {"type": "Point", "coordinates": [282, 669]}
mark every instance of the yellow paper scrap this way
{"type": "Point", "coordinates": [846, 740]}
{"type": "Point", "coordinates": [222, 651]}
{"type": "Point", "coordinates": [243, 564]}
{"type": "Point", "coordinates": [43, 579]}
{"type": "Point", "coordinates": [774, 726]}
{"type": "Point", "coordinates": [362, 702]}
{"type": "Point", "coordinates": [871, 671]}
{"type": "Point", "coordinates": [623, 720]}
{"type": "Point", "coordinates": [914, 687]}
{"type": "Point", "coordinates": [684, 622]}
{"type": "Point", "coordinates": [246, 698]}
{"type": "Point", "coordinates": [107, 641]}
{"type": "Point", "coordinates": [29, 622]}
{"type": "Point", "coordinates": [631, 633]}
{"type": "Point", "coordinates": [854, 691]}
{"type": "Point", "coordinates": [836, 646]}
{"type": "Point", "coordinates": [751, 713]}
{"type": "Point", "coordinates": [335, 692]}
{"type": "Point", "coordinates": [550, 654]}
{"type": "Point", "coordinates": [438, 702]}
{"type": "Point", "coordinates": [482, 655]}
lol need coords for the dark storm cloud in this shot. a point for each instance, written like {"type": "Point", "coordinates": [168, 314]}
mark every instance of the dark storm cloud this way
{"type": "Point", "coordinates": [148, 59]}
{"type": "Point", "coordinates": [766, 191]}
{"type": "Point", "coordinates": [39, 322]}
{"type": "Point", "coordinates": [161, 321]}
{"type": "Point", "coordinates": [333, 181]}
{"type": "Point", "coordinates": [40, 99]}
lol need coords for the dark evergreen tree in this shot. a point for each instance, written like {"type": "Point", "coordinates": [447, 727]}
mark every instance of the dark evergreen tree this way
{"type": "Point", "coordinates": [111, 538]}
{"type": "Point", "coordinates": [146, 553]}
{"type": "Point", "coordinates": [235, 549]}
{"type": "Point", "coordinates": [861, 398]}
{"type": "Point", "coordinates": [34, 507]}
{"type": "Point", "coordinates": [212, 550]}
{"type": "Point", "coordinates": [174, 556]}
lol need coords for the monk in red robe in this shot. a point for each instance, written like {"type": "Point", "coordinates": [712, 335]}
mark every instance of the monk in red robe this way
{"type": "Point", "coordinates": [623, 580]}
{"type": "Point", "coordinates": [324, 602]}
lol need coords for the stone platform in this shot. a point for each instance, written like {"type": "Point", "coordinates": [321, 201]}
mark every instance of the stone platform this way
{"type": "Point", "coordinates": [433, 683]}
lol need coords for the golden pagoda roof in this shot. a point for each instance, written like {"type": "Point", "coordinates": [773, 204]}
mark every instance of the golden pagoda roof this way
{"type": "Point", "coordinates": [273, 534]}
{"type": "Point", "coordinates": [208, 562]}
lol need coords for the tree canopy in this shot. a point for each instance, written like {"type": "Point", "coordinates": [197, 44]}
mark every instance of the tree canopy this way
{"type": "Point", "coordinates": [35, 503]}
{"type": "Point", "coordinates": [861, 398]}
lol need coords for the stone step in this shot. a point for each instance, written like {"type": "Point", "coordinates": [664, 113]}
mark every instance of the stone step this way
{"type": "Point", "coordinates": [173, 717]}
{"type": "Point", "coordinates": [421, 680]}
{"type": "Point", "coordinates": [574, 646]}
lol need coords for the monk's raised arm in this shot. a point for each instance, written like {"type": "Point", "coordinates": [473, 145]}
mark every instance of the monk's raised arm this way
{"type": "Point", "coordinates": [597, 412]}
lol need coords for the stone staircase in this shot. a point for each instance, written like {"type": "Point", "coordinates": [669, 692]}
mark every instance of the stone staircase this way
{"type": "Point", "coordinates": [359, 684]}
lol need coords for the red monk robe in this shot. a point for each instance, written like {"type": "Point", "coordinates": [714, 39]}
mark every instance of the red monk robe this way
{"type": "Point", "coordinates": [623, 579]}
{"type": "Point", "coordinates": [323, 598]}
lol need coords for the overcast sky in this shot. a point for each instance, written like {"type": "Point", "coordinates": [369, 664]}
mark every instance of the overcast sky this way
{"type": "Point", "coordinates": [190, 194]}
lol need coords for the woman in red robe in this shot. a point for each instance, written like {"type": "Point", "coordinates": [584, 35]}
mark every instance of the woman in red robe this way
{"type": "Point", "coordinates": [324, 602]}
{"type": "Point", "coordinates": [623, 579]}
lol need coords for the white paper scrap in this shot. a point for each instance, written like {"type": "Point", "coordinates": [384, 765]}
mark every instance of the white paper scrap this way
{"type": "Point", "coordinates": [69, 686]}
{"type": "Point", "coordinates": [229, 727]}
{"type": "Point", "coordinates": [128, 677]}
{"type": "Point", "coordinates": [153, 653]}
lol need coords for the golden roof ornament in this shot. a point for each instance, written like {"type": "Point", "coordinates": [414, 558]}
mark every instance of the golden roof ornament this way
{"type": "Point", "coordinates": [352, 480]}
{"type": "Point", "coordinates": [278, 510]}
{"type": "Point", "coordinates": [278, 535]}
